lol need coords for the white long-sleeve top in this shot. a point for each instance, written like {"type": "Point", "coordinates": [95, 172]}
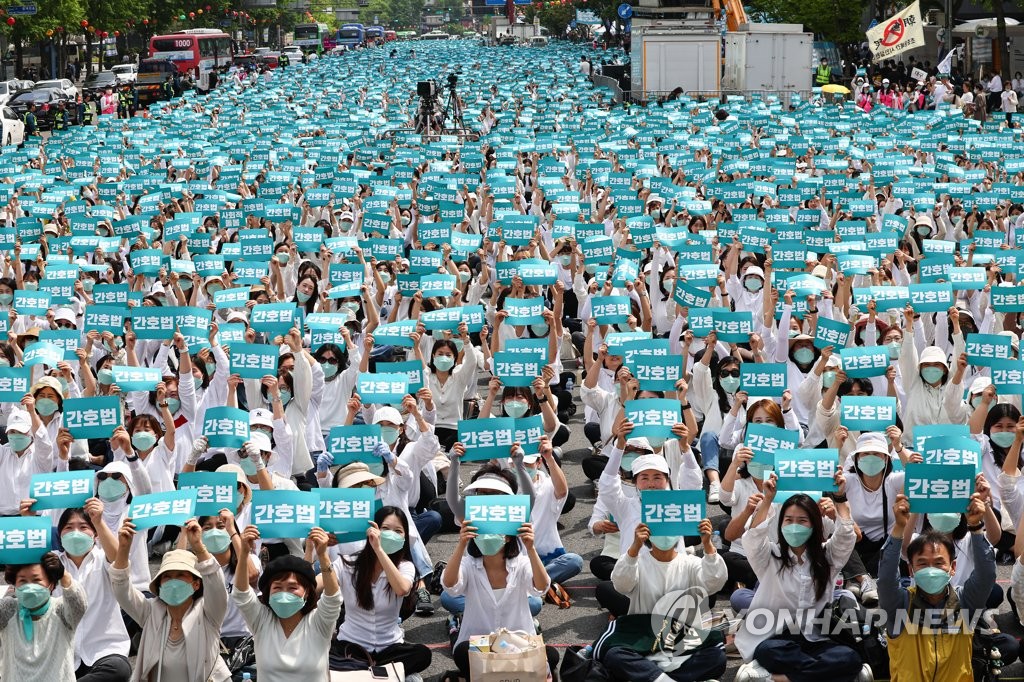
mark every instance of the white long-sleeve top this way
{"type": "Point", "coordinates": [645, 580]}
{"type": "Point", "coordinates": [449, 395]}
{"type": "Point", "coordinates": [16, 471]}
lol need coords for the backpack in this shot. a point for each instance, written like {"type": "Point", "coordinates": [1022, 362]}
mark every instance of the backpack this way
{"type": "Point", "coordinates": [851, 627]}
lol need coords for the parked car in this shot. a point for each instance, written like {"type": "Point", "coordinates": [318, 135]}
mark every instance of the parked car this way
{"type": "Point", "coordinates": [8, 89]}
{"type": "Point", "coordinates": [96, 83]}
{"type": "Point", "coordinates": [46, 101]}
{"type": "Point", "coordinates": [22, 85]}
{"type": "Point", "coordinates": [152, 73]}
{"type": "Point", "coordinates": [12, 129]}
{"type": "Point", "coordinates": [125, 73]}
{"type": "Point", "coordinates": [61, 84]}
{"type": "Point", "coordinates": [294, 53]}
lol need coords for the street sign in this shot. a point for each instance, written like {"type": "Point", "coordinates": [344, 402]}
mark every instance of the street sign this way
{"type": "Point", "coordinates": [16, 10]}
{"type": "Point", "coordinates": [625, 11]}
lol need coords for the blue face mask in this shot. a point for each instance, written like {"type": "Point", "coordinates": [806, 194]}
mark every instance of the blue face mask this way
{"type": "Point", "coordinates": [796, 534]}
{"type": "Point", "coordinates": [756, 470]}
{"type": "Point", "coordinates": [77, 543]}
{"type": "Point", "coordinates": [197, 382]}
{"type": "Point", "coordinates": [286, 604]}
{"type": "Point", "coordinates": [944, 523]}
{"type": "Point", "coordinates": [31, 596]}
{"type": "Point", "coordinates": [894, 350]}
{"type": "Point", "coordinates": [174, 592]}
{"type": "Point", "coordinates": [105, 377]}
{"type": "Point", "coordinates": [931, 580]}
{"type": "Point", "coordinates": [216, 540]}
{"type": "Point", "coordinates": [111, 489]}
{"type": "Point", "coordinates": [248, 466]}
{"type": "Point", "coordinates": [283, 257]}
{"type": "Point", "coordinates": [173, 404]}
{"type": "Point", "coordinates": [459, 343]}
{"type": "Point", "coordinates": [664, 542]}
{"type": "Point", "coordinates": [286, 396]}
{"type": "Point", "coordinates": [803, 356]}
{"type": "Point", "coordinates": [516, 408]}
{"type": "Point", "coordinates": [444, 362]}
{"type": "Point", "coordinates": [330, 369]}
{"type": "Point", "coordinates": [211, 367]}
{"type": "Point", "coordinates": [489, 544]}
{"type": "Point", "coordinates": [870, 465]}
{"type": "Point", "coordinates": [391, 542]}
{"type": "Point", "coordinates": [828, 378]}
{"type": "Point", "coordinates": [730, 384]}
{"type": "Point", "coordinates": [376, 468]}
{"type": "Point", "coordinates": [656, 441]}
{"type": "Point", "coordinates": [539, 329]}
{"type": "Point", "coordinates": [19, 441]}
{"type": "Point", "coordinates": [389, 434]}
{"type": "Point", "coordinates": [46, 406]}
{"type": "Point", "coordinates": [627, 462]}
{"type": "Point", "coordinates": [753, 284]}
{"type": "Point", "coordinates": [143, 440]}
{"type": "Point", "coordinates": [302, 296]}
{"type": "Point", "coordinates": [1003, 439]}
{"type": "Point", "coordinates": [932, 375]}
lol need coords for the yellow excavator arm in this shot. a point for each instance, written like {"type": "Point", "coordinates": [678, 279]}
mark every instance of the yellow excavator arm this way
{"type": "Point", "coordinates": [735, 16]}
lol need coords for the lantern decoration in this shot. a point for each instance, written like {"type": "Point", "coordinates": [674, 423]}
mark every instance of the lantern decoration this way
{"type": "Point", "coordinates": [199, 11]}
{"type": "Point", "coordinates": [145, 22]}
{"type": "Point", "coordinates": [10, 21]}
{"type": "Point", "coordinates": [49, 33]}
{"type": "Point", "coordinates": [85, 22]}
{"type": "Point", "coordinates": [191, 15]}
{"type": "Point", "coordinates": [207, 8]}
{"type": "Point", "coordinates": [117, 34]}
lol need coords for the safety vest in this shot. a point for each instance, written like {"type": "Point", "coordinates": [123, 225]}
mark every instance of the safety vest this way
{"type": "Point", "coordinates": [30, 123]}
{"type": "Point", "coordinates": [87, 114]}
{"type": "Point", "coordinates": [168, 90]}
{"type": "Point", "coordinates": [937, 655]}
{"type": "Point", "coordinates": [283, 60]}
{"type": "Point", "coordinates": [823, 75]}
{"type": "Point", "coordinates": [60, 120]}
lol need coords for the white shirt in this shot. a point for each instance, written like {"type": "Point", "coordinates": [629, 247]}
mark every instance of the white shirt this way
{"type": "Point", "coordinates": [16, 472]}
{"type": "Point", "coordinates": [645, 580]}
{"type": "Point", "coordinates": [448, 396]}
{"type": "Point", "coordinates": [544, 514]}
{"type": "Point", "coordinates": [98, 634]}
{"type": "Point", "coordinates": [868, 507]}
{"type": "Point", "coordinates": [377, 629]}
{"type": "Point", "coordinates": [488, 609]}
{"type": "Point", "coordinates": [302, 657]}
{"type": "Point", "coordinates": [996, 84]}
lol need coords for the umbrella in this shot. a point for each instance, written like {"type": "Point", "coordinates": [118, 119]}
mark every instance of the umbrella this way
{"type": "Point", "coordinates": [836, 88]}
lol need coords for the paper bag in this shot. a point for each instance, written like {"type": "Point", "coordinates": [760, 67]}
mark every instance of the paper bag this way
{"type": "Point", "coordinates": [530, 665]}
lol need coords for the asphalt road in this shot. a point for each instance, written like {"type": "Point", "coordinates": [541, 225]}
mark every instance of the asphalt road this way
{"type": "Point", "coordinates": [585, 621]}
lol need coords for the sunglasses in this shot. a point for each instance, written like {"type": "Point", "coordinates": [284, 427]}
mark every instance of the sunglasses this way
{"type": "Point", "coordinates": [330, 361]}
{"type": "Point", "coordinates": [102, 476]}
{"type": "Point", "coordinates": [729, 373]}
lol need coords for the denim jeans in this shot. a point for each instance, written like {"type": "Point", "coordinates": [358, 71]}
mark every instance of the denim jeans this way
{"type": "Point", "coordinates": [709, 450]}
{"type": "Point", "coordinates": [457, 605]}
{"type": "Point", "coordinates": [562, 567]}
{"type": "Point", "coordinates": [427, 522]}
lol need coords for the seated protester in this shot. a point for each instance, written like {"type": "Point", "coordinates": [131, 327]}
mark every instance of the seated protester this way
{"type": "Point", "coordinates": [599, 397]}
{"type": "Point", "coordinates": [742, 491]}
{"type": "Point", "coordinates": [764, 411]}
{"type": "Point", "coordinates": [647, 572]}
{"type": "Point", "coordinates": [918, 650]}
{"type": "Point", "coordinates": [715, 394]}
{"type": "Point", "coordinates": [291, 627]}
{"type": "Point", "coordinates": [181, 626]}
{"type": "Point", "coordinates": [796, 577]}
{"type": "Point", "coordinates": [37, 629]}
{"type": "Point", "coordinates": [447, 382]}
{"type": "Point", "coordinates": [374, 585]}
{"type": "Point", "coordinates": [494, 580]}
{"type": "Point", "coordinates": [998, 422]}
{"type": "Point", "coordinates": [550, 490]}
{"type": "Point", "coordinates": [154, 445]}
{"type": "Point", "coordinates": [603, 523]}
{"type": "Point", "coordinates": [101, 641]}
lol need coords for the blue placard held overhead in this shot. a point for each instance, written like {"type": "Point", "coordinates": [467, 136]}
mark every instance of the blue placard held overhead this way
{"type": "Point", "coordinates": [501, 514]}
{"type": "Point", "coordinates": [162, 509]}
{"type": "Point", "coordinates": [285, 513]}
{"type": "Point", "coordinates": [24, 539]}
{"type": "Point", "coordinates": [672, 512]}
{"type": "Point", "coordinates": [62, 490]}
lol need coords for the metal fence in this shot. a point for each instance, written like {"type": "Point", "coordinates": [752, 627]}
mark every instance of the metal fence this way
{"type": "Point", "coordinates": [609, 83]}
{"type": "Point", "coordinates": [721, 96]}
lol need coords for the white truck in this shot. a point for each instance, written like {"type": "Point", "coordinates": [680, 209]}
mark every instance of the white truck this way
{"type": "Point", "coordinates": [773, 58]}
{"type": "Point", "coordinates": [664, 59]}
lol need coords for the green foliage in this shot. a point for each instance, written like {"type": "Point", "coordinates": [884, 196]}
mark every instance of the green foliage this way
{"type": "Point", "coordinates": [835, 20]}
{"type": "Point", "coordinates": [51, 14]}
{"type": "Point", "coordinates": [554, 17]}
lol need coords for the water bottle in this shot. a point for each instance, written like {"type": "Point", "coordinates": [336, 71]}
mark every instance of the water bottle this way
{"type": "Point", "coordinates": [569, 383]}
{"type": "Point", "coordinates": [246, 676]}
{"type": "Point", "coordinates": [587, 652]}
{"type": "Point", "coordinates": [716, 541]}
{"type": "Point", "coordinates": [840, 581]}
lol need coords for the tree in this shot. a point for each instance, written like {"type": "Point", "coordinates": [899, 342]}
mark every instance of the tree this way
{"type": "Point", "coordinates": [50, 16]}
{"type": "Point", "coordinates": [835, 20]}
{"type": "Point", "coordinates": [381, 9]}
{"type": "Point", "coordinates": [554, 16]}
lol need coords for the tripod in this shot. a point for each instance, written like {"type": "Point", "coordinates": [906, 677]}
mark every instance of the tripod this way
{"type": "Point", "coordinates": [453, 109]}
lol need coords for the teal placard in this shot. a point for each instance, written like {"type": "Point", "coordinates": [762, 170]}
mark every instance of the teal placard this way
{"type": "Point", "coordinates": [274, 319]}
{"type": "Point", "coordinates": [951, 450]}
{"type": "Point", "coordinates": [938, 488]}
{"type": "Point", "coordinates": [42, 352]}
{"type": "Point", "coordinates": [765, 440]}
{"type": "Point", "coordinates": [235, 297]}
{"type": "Point", "coordinates": [517, 369]}
{"type": "Point", "coordinates": [254, 360]}
{"type": "Point", "coordinates": [146, 261]}
{"type": "Point", "coordinates": [611, 309]}
{"type": "Point", "coordinates": [413, 369]}
{"type": "Point", "coordinates": [931, 298]}
{"type": "Point", "coordinates": [382, 389]}
{"type": "Point", "coordinates": [354, 443]}
{"type": "Point", "coordinates": [867, 413]}
{"type": "Point", "coordinates": [214, 491]}
{"type": "Point", "coordinates": [983, 349]}
{"type": "Point", "coordinates": [226, 427]}
{"type": "Point", "coordinates": [94, 417]}
{"type": "Point", "coordinates": [61, 490]}
{"type": "Point", "coordinates": [1008, 376]}
{"type": "Point", "coordinates": [14, 383]}
{"type": "Point", "coordinates": [285, 513]}
{"type": "Point", "coordinates": [653, 417]}
{"type": "Point", "coordinates": [172, 508]}
{"type": "Point", "coordinates": [864, 362]}
{"type": "Point", "coordinates": [831, 333]}
{"type": "Point", "coordinates": [499, 514]}
{"type": "Point", "coordinates": [345, 511]}
{"type": "Point", "coordinates": [523, 311]}
{"type": "Point", "coordinates": [136, 378]}
{"type": "Point", "coordinates": [672, 512]}
{"type": "Point", "coordinates": [448, 319]}
{"type": "Point", "coordinates": [655, 372]}
{"type": "Point", "coordinates": [763, 378]}
{"type": "Point", "coordinates": [31, 302]}
{"type": "Point", "coordinates": [487, 438]}
{"type": "Point", "coordinates": [104, 318]}
{"type": "Point", "coordinates": [924, 431]}
{"type": "Point", "coordinates": [806, 469]}
{"type": "Point", "coordinates": [733, 327]}
{"type": "Point", "coordinates": [68, 340]}
{"type": "Point", "coordinates": [395, 333]}
{"type": "Point", "coordinates": [24, 539]}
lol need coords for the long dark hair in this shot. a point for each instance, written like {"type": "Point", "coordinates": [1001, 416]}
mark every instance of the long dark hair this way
{"type": "Point", "coordinates": [365, 562]}
{"type": "Point", "coordinates": [716, 368]}
{"type": "Point", "coordinates": [998, 411]}
{"type": "Point", "coordinates": [815, 550]}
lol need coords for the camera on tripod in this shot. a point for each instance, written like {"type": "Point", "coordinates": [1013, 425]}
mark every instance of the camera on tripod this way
{"type": "Point", "coordinates": [433, 114]}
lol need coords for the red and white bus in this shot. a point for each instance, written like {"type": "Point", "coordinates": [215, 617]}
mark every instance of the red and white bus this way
{"type": "Point", "coordinates": [197, 51]}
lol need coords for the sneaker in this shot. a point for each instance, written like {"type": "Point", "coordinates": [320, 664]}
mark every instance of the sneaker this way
{"type": "Point", "coordinates": [865, 675]}
{"type": "Point", "coordinates": [414, 677]}
{"type": "Point", "coordinates": [424, 606]}
{"type": "Point", "coordinates": [854, 588]}
{"type": "Point", "coordinates": [714, 491]}
{"type": "Point", "coordinates": [868, 591]}
{"type": "Point", "coordinates": [536, 625]}
{"type": "Point", "coordinates": [752, 672]}
{"type": "Point", "coordinates": [453, 631]}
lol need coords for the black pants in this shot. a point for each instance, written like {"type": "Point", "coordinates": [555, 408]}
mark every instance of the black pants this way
{"type": "Point", "coordinates": [611, 600]}
{"type": "Point", "coordinates": [446, 437]}
{"type": "Point", "coordinates": [804, 661]}
{"type": "Point", "coordinates": [626, 664]}
{"type": "Point", "coordinates": [593, 466]}
{"type": "Point", "coordinates": [601, 567]}
{"type": "Point", "coordinates": [739, 570]}
{"type": "Point", "coordinates": [461, 656]}
{"type": "Point", "coordinates": [414, 658]}
{"type": "Point", "coordinates": [113, 668]}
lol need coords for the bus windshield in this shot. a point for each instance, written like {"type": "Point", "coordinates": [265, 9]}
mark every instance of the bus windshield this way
{"type": "Point", "coordinates": [306, 32]}
{"type": "Point", "coordinates": [172, 44]}
{"type": "Point", "coordinates": [349, 33]}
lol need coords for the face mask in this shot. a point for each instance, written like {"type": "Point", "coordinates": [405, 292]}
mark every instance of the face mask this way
{"type": "Point", "coordinates": [389, 434]}
{"type": "Point", "coordinates": [796, 534]}
{"type": "Point", "coordinates": [405, 220]}
{"type": "Point", "coordinates": [870, 465]}
{"type": "Point", "coordinates": [6, 298]}
{"type": "Point", "coordinates": [248, 466]}
{"type": "Point", "coordinates": [756, 470]}
{"type": "Point", "coordinates": [664, 542]}
{"type": "Point", "coordinates": [931, 375]}
{"type": "Point", "coordinates": [216, 540]}
{"type": "Point", "coordinates": [1003, 439]}
{"type": "Point", "coordinates": [656, 441]}
{"type": "Point", "coordinates": [302, 296]}
{"type": "Point", "coordinates": [197, 382]}
{"type": "Point", "coordinates": [88, 284]}
{"type": "Point", "coordinates": [46, 406]}
{"type": "Point", "coordinates": [110, 489]}
{"type": "Point", "coordinates": [803, 356]}
{"type": "Point", "coordinates": [376, 468]}
{"type": "Point", "coordinates": [931, 580]}
{"type": "Point", "coordinates": [894, 349]}
{"type": "Point", "coordinates": [19, 441]}
{"type": "Point", "coordinates": [31, 286]}
{"type": "Point", "coordinates": [944, 523]}
{"type": "Point", "coordinates": [627, 462]}
{"type": "Point", "coordinates": [175, 592]}
{"type": "Point", "coordinates": [185, 284]}
{"type": "Point", "coordinates": [793, 333]}
{"type": "Point", "coordinates": [211, 367]}
{"type": "Point", "coordinates": [444, 362]}
{"type": "Point", "coordinates": [565, 260]}
{"type": "Point", "coordinates": [286, 604]}
{"type": "Point", "coordinates": [489, 544]}
{"type": "Point", "coordinates": [459, 343]}
{"type": "Point", "coordinates": [286, 396]}
{"type": "Point", "coordinates": [516, 408]}
{"type": "Point", "coordinates": [77, 543]}
{"type": "Point", "coordinates": [591, 269]}
{"type": "Point", "coordinates": [32, 596]}
{"type": "Point", "coordinates": [729, 384]}
{"type": "Point", "coordinates": [173, 404]}
{"type": "Point", "coordinates": [105, 377]}
{"type": "Point", "coordinates": [329, 368]}
{"type": "Point", "coordinates": [463, 276]}
{"type": "Point", "coordinates": [283, 257]}
{"type": "Point", "coordinates": [827, 379]}
{"type": "Point", "coordinates": [539, 329]}
{"type": "Point", "coordinates": [391, 542]}
{"type": "Point", "coordinates": [923, 230]}
{"type": "Point", "coordinates": [351, 306]}
{"type": "Point", "coordinates": [214, 288]}
{"type": "Point", "coordinates": [753, 284]}
{"type": "Point", "coordinates": [143, 440]}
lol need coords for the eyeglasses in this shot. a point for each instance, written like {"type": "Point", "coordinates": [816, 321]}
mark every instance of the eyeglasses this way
{"type": "Point", "coordinates": [103, 475]}
{"type": "Point", "coordinates": [729, 373]}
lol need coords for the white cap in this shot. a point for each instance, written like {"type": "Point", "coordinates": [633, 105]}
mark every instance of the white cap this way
{"type": "Point", "coordinates": [261, 417]}
{"type": "Point", "coordinates": [979, 385]}
{"type": "Point", "coordinates": [833, 361]}
{"type": "Point", "coordinates": [641, 443]}
{"type": "Point", "coordinates": [530, 459]}
{"type": "Point", "coordinates": [388, 414]}
{"type": "Point", "coordinates": [489, 482]}
{"type": "Point", "coordinates": [924, 219]}
{"type": "Point", "coordinates": [820, 271]}
{"type": "Point", "coordinates": [650, 463]}
{"type": "Point", "coordinates": [933, 354]}
{"type": "Point", "coordinates": [19, 421]}
{"type": "Point", "coordinates": [237, 316]}
{"type": "Point", "coordinates": [65, 315]}
{"type": "Point", "coordinates": [753, 271]}
{"type": "Point", "coordinates": [654, 199]}
{"type": "Point", "coordinates": [872, 442]}
{"type": "Point", "coordinates": [885, 81]}
{"type": "Point", "coordinates": [261, 440]}
{"type": "Point", "coordinates": [1014, 341]}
